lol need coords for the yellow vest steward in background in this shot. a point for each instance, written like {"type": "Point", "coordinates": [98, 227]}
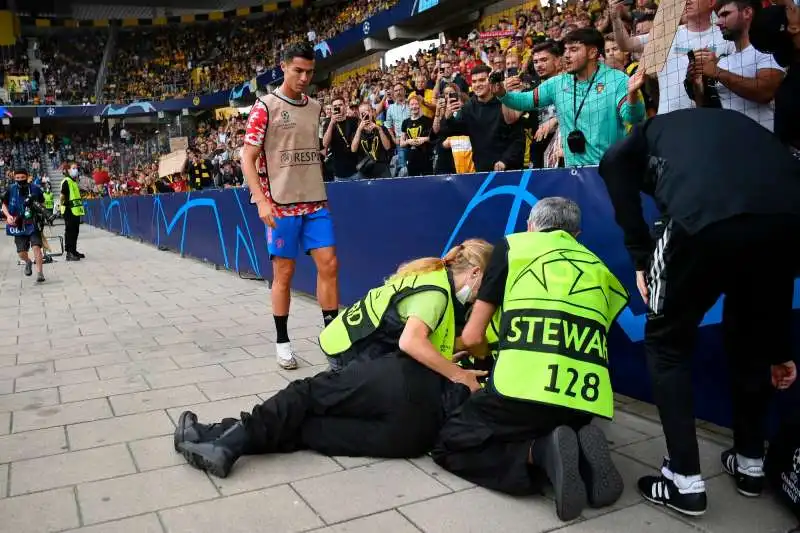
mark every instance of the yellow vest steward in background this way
{"type": "Point", "coordinates": [364, 317]}
{"type": "Point", "coordinates": [560, 301]}
{"type": "Point", "coordinates": [74, 201]}
{"type": "Point", "coordinates": [48, 200]}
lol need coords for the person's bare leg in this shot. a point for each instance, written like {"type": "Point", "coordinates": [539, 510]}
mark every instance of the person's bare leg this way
{"type": "Point", "coordinates": [39, 260]}
{"type": "Point", "coordinates": [328, 290]}
{"type": "Point", "coordinates": [327, 280]}
{"type": "Point", "coordinates": [282, 273]}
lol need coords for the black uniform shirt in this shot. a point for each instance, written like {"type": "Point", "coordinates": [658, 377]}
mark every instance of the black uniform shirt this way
{"type": "Point", "coordinates": [701, 166]}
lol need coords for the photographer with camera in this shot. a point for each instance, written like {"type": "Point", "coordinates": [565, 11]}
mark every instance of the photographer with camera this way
{"type": "Point", "coordinates": [24, 211]}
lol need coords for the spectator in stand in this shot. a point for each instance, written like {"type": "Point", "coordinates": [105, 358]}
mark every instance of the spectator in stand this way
{"type": "Point", "coordinates": [547, 63]}
{"type": "Point", "coordinates": [496, 145]}
{"type": "Point", "coordinates": [696, 34]}
{"type": "Point", "coordinates": [200, 171]}
{"type": "Point", "coordinates": [776, 31]}
{"type": "Point", "coordinates": [747, 79]}
{"type": "Point", "coordinates": [372, 145]}
{"type": "Point", "coordinates": [415, 136]}
{"type": "Point", "coordinates": [529, 120]}
{"type": "Point", "coordinates": [396, 113]}
{"type": "Point", "coordinates": [593, 102]}
{"type": "Point", "coordinates": [453, 154]}
{"type": "Point", "coordinates": [338, 139]}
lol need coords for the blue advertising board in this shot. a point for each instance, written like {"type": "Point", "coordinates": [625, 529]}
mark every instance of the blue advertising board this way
{"type": "Point", "coordinates": [380, 224]}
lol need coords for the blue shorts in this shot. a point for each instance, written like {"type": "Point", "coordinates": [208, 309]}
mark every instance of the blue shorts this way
{"type": "Point", "coordinates": [308, 232]}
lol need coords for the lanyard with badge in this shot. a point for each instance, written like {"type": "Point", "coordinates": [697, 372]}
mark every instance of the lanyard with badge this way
{"type": "Point", "coordinates": [576, 140]}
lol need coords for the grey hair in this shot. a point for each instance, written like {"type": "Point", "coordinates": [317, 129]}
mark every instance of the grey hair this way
{"type": "Point", "coordinates": [555, 212]}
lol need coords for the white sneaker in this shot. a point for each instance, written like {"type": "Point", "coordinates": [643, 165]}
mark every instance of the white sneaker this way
{"type": "Point", "coordinates": [285, 356]}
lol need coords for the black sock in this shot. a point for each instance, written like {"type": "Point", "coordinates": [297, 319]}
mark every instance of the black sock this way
{"type": "Point", "coordinates": [280, 327]}
{"type": "Point", "coordinates": [329, 316]}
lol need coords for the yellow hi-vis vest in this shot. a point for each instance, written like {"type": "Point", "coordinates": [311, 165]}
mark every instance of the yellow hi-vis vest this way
{"type": "Point", "coordinates": [364, 317]}
{"type": "Point", "coordinates": [560, 301]}
{"type": "Point", "coordinates": [74, 200]}
{"type": "Point", "coordinates": [48, 200]}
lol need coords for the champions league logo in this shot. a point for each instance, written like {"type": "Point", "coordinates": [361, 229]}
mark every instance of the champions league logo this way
{"type": "Point", "coordinates": [366, 27]}
{"type": "Point", "coordinates": [323, 49]}
{"type": "Point", "coordinates": [789, 478]}
{"type": "Point", "coordinates": [51, 111]}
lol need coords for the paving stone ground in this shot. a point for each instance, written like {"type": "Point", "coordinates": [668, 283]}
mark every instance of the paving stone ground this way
{"type": "Point", "coordinates": [97, 363]}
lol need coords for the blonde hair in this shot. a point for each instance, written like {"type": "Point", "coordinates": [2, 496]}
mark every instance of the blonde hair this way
{"type": "Point", "coordinates": [470, 253]}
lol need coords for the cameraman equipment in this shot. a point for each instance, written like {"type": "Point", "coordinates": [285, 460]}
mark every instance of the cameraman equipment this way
{"type": "Point", "coordinates": [41, 217]}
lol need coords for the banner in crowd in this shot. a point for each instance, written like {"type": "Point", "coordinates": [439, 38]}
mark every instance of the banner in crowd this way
{"type": "Point", "coordinates": [14, 84]}
{"type": "Point", "coordinates": [178, 143]}
{"type": "Point", "coordinates": [171, 163]}
{"type": "Point", "coordinates": [437, 212]}
{"type": "Point", "coordinates": [496, 34]}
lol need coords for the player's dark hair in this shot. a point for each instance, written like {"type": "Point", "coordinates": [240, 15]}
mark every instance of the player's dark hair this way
{"type": "Point", "coordinates": [302, 50]}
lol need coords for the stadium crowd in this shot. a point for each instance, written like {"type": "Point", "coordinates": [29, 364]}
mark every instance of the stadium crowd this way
{"type": "Point", "coordinates": [200, 58]}
{"type": "Point", "coordinates": [433, 112]}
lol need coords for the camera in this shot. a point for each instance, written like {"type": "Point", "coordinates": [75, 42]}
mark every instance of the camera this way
{"type": "Point", "coordinates": [496, 77]}
{"type": "Point", "coordinates": [337, 110]}
{"type": "Point", "coordinates": [37, 212]}
{"type": "Point", "coordinates": [513, 71]}
{"type": "Point", "coordinates": [576, 141]}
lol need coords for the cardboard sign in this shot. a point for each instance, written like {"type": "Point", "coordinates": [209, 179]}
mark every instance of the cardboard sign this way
{"type": "Point", "coordinates": [178, 143]}
{"type": "Point", "coordinates": [172, 163]}
{"type": "Point", "coordinates": [665, 25]}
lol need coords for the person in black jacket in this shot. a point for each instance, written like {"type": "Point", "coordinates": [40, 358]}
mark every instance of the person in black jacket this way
{"type": "Point", "coordinates": [731, 216]}
{"type": "Point", "coordinates": [776, 30]}
{"type": "Point", "coordinates": [496, 145]}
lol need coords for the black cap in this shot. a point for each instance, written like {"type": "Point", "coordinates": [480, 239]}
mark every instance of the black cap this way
{"type": "Point", "coordinates": [21, 171]}
{"type": "Point", "coordinates": [768, 34]}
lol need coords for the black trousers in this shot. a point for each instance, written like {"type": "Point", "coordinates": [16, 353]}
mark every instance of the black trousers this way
{"type": "Point", "coordinates": [72, 226]}
{"type": "Point", "coordinates": [386, 407]}
{"type": "Point", "coordinates": [487, 441]}
{"type": "Point", "coordinates": [752, 260]}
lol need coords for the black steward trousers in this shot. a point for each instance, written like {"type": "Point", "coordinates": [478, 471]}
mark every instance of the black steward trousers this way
{"type": "Point", "coordinates": [387, 407]}
{"type": "Point", "coordinates": [72, 226]}
{"type": "Point", "coordinates": [752, 260]}
{"type": "Point", "coordinates": [487, 440]}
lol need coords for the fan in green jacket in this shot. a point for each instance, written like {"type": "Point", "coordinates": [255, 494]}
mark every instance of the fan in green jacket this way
{"type": "Point", "coordinates": [395, 381]}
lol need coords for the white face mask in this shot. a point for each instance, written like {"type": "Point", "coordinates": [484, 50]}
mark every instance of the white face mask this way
{"type": "Point", "coordinates": [464, 293]}
{"type": "Point", "coordinates": [73, 172]}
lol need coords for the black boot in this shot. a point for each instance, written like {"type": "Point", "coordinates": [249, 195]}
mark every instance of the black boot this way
{"type": "Point", "coordinates": [217, 457]}
{"type": "Point", "coordinates": [190, 430]}
{"type": "Point", "coordinates": [558, 455]}
{"type": "Point", "coordinates": [603, 481]}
